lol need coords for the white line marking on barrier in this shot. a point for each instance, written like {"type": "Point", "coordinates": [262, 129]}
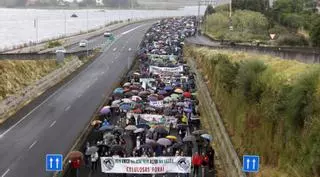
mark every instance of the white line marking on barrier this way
{"type": "Point", "coordinates": [34, 143]}
{"type": "Point", "coordinates": [5, 173]}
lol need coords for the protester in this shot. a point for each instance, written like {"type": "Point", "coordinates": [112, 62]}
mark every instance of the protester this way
{"type": "Point", "coordinates": [196, 162]}
{"type": "Point", "coordinates": [94, 159]}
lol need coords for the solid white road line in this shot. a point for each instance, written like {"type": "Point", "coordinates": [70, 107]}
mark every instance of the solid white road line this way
{"type": "Point", "coordinates": [67, 108]}
{"type": "Point", "coordinates": [34, 143]}
{"type": "Point", "coordinates": [52, 124]}
{"type": "Point", "coordinates": [5, 173]}
{"type": "Point", "coordinates": [126, 32]}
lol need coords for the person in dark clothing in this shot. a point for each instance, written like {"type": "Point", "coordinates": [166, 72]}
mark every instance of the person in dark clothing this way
{"type": "Point", "coordinates": [211, 154]}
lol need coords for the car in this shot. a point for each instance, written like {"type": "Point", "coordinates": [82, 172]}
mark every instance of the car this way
{"type": "Point", "coordinates": [61, 50]}
{"type": "Point", "coordinates": [83, 43]}
{"type": "Point", "coordinates": [107, 34]}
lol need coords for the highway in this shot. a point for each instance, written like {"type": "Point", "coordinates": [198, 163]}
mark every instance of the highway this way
{"type": "Point", "coordinates": [53, 125]}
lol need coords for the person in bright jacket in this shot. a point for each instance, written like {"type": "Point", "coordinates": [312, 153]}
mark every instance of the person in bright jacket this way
{"type": "Point", "coordinates": [196, 162]}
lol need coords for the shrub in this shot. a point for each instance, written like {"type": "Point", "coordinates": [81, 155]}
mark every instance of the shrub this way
{"type": "Point", "coordinates": [52, 44]}
{"type": "Point", "coordinates": [292, 40]}
{"type": "Point", "coordinates": [315, 33]}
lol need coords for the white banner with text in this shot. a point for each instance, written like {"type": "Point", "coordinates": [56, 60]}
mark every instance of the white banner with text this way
{"type": "Point", "coordinates": [146, 165]}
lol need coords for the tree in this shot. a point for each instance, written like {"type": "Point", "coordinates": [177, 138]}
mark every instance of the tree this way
{"type": "Point", "coordinates": [254, 5]}
{"type": "Point", "coordinates": [315, 33]}
{"type": "Point", "coordinates": [210, 10]}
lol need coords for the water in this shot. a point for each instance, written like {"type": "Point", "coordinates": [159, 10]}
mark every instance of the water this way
{"type": "Point", "coordinates": [17, 26]}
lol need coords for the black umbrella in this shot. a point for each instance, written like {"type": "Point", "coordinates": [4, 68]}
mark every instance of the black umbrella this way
{"type": "Point", "coordinates": [177, 145]}
{"type": "Point", "coordinates": [161, 130]}
{"type": "Point", "coordinates": [116, 148]}
{"type": "Point", "coordinates": [145, 126]}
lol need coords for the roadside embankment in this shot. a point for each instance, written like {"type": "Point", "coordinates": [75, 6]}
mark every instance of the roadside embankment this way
{"type": "Point", "coordinates": [24, 80]}
{"type": "Point", "coordinates": [268, 105]}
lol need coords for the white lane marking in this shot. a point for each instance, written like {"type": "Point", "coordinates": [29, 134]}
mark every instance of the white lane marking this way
{"type": "Point", "coordinates": [126, 32]}
{"type": "Point", "coordinates": [34, 143]}
{"type": "Point", "coordinates": [129, 49]}
{"type": "Point", "coordinates": [67, 108]}
{"type": "Point", "coordinates": [5, 173]}
{"type": "Point", "coordinates": [52, 124]}
{"type": "Point", "coordinates": [114, 49]}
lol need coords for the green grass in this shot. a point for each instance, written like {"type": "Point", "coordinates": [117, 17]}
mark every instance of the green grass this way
{"type": "Point", "coordinates": [270, 107]}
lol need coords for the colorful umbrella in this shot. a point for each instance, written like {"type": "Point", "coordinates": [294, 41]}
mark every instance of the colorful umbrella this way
{"type": "Point", "coordinates": [125, 106]}
{"type": "Point", "coordinates": [164, 142]}
{"type": "Point", "coordinates": [168, 88]}
{"type": "Point", "coordinates": [178, 90]}
{"type": "Point", "coordinates": [105, 110]}
{"type": "Point", "coordinates": [106, 127]}
{"type": "Point", "coordinates": [162, 92]}
{"type": "Point", "coordinates": [187, 94]}
{"type": "Point", "coordinates": [136, 98]}
{"type": "Point", "coordinates": [187, 110]}
{"type": "Point", "coordinates": [171, 137]}
{"type": "Point", "coordinates": [118, 90]}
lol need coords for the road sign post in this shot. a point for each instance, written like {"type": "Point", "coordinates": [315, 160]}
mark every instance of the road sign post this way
{"type": "Point", "coordinates": [251, 163]}
{"type": "Point", "coordinates": [54, 162]}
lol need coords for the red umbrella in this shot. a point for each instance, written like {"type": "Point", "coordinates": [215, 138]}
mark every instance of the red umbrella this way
{"type": "Point", "coordinates": [138, 111]}
{"type": "Point", "coordinates": [187, 94]}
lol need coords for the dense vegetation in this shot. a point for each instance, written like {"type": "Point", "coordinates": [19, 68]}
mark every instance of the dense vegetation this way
{"type": "Point", "coordinates": [270, 107]}
{"type": "Point", "coordinates": [291, 20]}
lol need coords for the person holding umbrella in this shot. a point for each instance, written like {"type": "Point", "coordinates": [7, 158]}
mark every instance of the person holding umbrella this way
{"type": "Point", "coordinates": [196, 162]}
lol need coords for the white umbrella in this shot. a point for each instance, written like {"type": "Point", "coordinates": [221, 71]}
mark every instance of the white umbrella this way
{"type": "Point", "coordinates": [127, 84]}
{"type": "Point", "coordinates": [139, 130]}
{"type": "Point", "coordinates": [130, 127]}
{"type": "Point", "coordinates": [126, 100]}
{"type": "Point", "coordinates": [164, 142]}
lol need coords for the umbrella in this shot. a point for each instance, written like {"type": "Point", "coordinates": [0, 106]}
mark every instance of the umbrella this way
{"type": "Point", "coordinates": [118, 90]}
{"type": "Point", "coordinates": [178, 90]}
{"type": "Point", "coordinates": [177, 145]}
{"type": "Point", "coordinates": [189, 138]}
{"type": "Point", "coordinates": [108, 136]}
{"type": "Point", "coordinates": [199, 132]}
{"type": "Point", "coordinates": [162, 92]}
{"type": "Point", "coordinates": [180, 104]}
{"type": "Point", "coordinates": [127, 84]}
{"type": "Point", "coordinates": [125, 106]}
{"type": "Point", "coordinates": [118, 129]}
{"type": "Point", "coordinates": [146, 146]}
{"type": "Point", "coordinates": [161, 130]}
{"type": "Point", "coordinates": [136, 73]}
{"type": "Point", "coordinates": [187, 94]}
{"type": "Point", "coordinates": [168, 88]}
{"type": "Point", "coordinates": [152, 98]}
{"type": "Point", "coordinates": [151, 129]}
{"type": "Point", "coordinates": [174, 96]}
{"type": "Point", "coordinates": [145, 126]}
{"type": "Point", "coordinates": [130, 127]}
{"type": "Point", "coordinates": [167, 99]}
{"type": "Point", "coordinates": [105, 110]}
{"type": "Point", "coordinates": [150, 141]}
{"type": "Point", "coordinates": [91, 150]}
{"type": "Point", "coordinates": [114, 105]}
{"type": "Point", "coordinates": [116, 148]}
{"type": "Point", "coordinates": [106, 127]}
{"type": "Point", "coordinates": [135, 92]}
{"type": "Point", "coordinates": [116, 102]}
{"type": "Point", "coordinates": [137, 111]}
{"type": "Point", "coordinates": [128, 94]}
{"type": "Point", "coordinates": [207, 136]}
{"type": "Point", "coordinates": [187, 110]}
{"type": "Point", "coordinates": [171, 137]}
{"type": "Point", "coordinates": [143, 93]}
{"type": "Point", "coordinates": [139, 130]}
{"type": "Point", "coordinates": [164, 142]}
{"type": "Point", "coordinates": [95, 122]}
{"type": "Point", "coordinates": [126, 100]}
{"type": "Point", "coordinates": [136, 98]}
{"type": "Point", "coordinates": [75, 155]}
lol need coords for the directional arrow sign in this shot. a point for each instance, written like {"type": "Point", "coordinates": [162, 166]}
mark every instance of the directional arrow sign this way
{"type": "Point", "coordinates": [54, 162]}
{"type": "Point", "coordinates": [250, 163]}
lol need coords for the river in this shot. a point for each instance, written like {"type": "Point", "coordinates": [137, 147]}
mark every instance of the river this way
{"type": "Point", "coordinates": [19, 26]}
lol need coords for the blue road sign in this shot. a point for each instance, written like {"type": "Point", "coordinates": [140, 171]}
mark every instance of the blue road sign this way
{"type": "Point", "coordinates": [250, 163]}
{"type": "Point", "coordinates": [54, 162]}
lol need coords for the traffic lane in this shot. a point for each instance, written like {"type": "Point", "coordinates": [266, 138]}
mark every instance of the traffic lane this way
{"type": "Point", "coordinates": [60, 137]}
{"type": "Point", "coordinates": [100, 39]}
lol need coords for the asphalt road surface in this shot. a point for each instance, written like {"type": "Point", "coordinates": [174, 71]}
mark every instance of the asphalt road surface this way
{"type": "Point", "coordinates": [98, 40]}
{"type": "Point", "coordinates": [53, 125]}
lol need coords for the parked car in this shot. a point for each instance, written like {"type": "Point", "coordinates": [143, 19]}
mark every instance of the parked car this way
{"type": "Point", "coordinates": [61, 49]}
{"type": "Point", "coordinates": [107, 34]}
{"type": "Point", "coordinates": [83, 43]}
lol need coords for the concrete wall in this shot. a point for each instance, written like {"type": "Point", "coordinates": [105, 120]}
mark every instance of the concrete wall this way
{"type": "Point", "coordinates": [36, 56]}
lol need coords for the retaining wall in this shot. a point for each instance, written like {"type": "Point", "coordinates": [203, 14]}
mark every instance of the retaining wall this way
{"type": "Point", "coordinates": [17, 101]}
{"type": "Point", "coordinates": [36, 56]}
{"type": "Point", "coordinates": [223, 146]}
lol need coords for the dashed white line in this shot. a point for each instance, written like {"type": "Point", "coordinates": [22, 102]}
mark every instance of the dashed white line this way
{"type": "Point", "coordinates": [129, 49]}
{"type": "Point", "coordinates": [126, 32]}
{"type": "Point", "coordinates": [114, 49]}
{"type": "Point", "coordinates": [67, 108]}
{"type": "Point", "coordinates": [5, 173]}
{"type": "Point", "coordinates": [34, 143]}
{"type": "Point", "coordinates": [52, 124]}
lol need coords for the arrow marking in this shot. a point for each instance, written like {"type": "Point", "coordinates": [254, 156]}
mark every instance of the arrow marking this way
{"type": "Point", "coordinates": [57, 163]}
{"type": "Point", "coordinates": [248, 163]}
{"type": "Point", "coordinates": [51, 160]}
{"type": "Point", "coordinates": [254, 164]}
